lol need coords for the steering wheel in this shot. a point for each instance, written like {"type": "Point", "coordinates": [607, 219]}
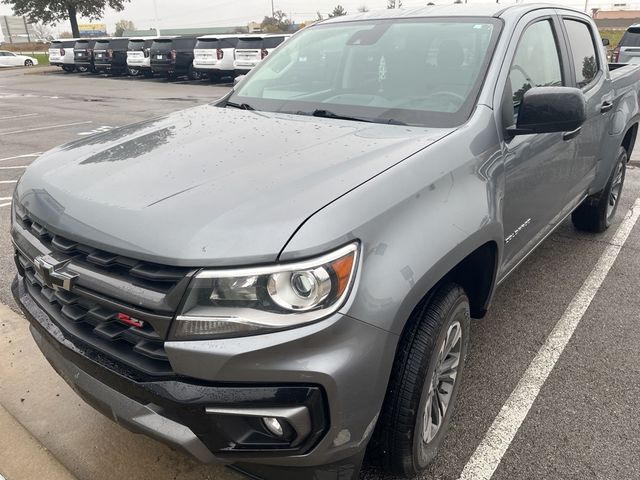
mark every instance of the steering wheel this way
{"type": "Point", "coordinates": [522, 71]}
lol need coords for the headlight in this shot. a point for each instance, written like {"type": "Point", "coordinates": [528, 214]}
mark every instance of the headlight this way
{"type": "Point", "coordinates": [237, 302]}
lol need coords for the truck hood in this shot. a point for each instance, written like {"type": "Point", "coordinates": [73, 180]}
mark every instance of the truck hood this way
{"type": "Point", "coordinates": [208, 186]}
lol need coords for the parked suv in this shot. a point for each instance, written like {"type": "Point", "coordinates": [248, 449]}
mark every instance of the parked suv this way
{"type": "Point", "coordinates": [138, 56]}
{"type": "Point", "coordinates": [286, 278]}
{"type": "Point", "coordinates": [250, 51]}
{"type": "Point", "coordinates": [213, 55]}
{"type": "Point", "coordinates": [173, 57]}
{"type": "Point", "coordinates": [110, 55]}
{"type": "Point", "coordinates": [628, 50]}
{"type": "Point", "coordinates": [83, 54]}
{"type": "Point", "coordinates": [61, 54]}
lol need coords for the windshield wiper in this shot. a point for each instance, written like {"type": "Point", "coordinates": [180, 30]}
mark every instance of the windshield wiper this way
{"type": "Point", "coordinates": [328, 114]}
{"type": "Point", "coordinates": [241, 106]}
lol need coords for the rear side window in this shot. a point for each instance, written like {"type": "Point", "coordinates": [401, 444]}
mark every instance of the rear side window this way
{"type": "Point", "coordinates": [536, 62]}
{"type": "Point", "coordinates": [102, 45]}
{"type": "Point", "coordinates": [583, 52]}
{"type": "Point", "coordinates": [81, 45]}
{"type": "Point", "coordinates": [68, 44]}
{"type": "Point", "coordinates": [631, 38]}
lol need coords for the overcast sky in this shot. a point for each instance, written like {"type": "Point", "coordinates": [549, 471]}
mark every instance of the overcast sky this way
{"type": "Point", "coordinates": [201, 13]}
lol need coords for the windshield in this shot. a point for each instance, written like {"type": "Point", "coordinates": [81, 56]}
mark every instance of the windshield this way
{"type": "Point", "coordinates": [417, 71]}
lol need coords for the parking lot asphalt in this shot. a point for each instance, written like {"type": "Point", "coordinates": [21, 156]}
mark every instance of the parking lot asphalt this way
{"type": "Point", "coordinates": [582, 424]}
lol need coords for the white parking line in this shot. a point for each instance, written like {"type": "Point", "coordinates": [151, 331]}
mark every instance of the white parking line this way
{"type": "Point", "coordinates": [5, 204]}
{"type": "Point", "coordinates": [48, 127]}
{"type": "Point", "coordinates": [4, 198]}
{"type": "Point", "coordinates": [14, 167]}
{"type": "Point", "coordinates": [20, 116]}
{"type": "Point", "coordinates": [26, 155]}
{"type": "Point", "coordinates": [485, 460]}
{"type": "Point", "coordinates": [6, 182]}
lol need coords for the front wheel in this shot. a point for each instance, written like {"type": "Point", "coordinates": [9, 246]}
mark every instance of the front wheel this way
{"type": "Point", "coordinates": [28, 63]}
{"type": "Point", "coordinates": [424, 383]}
{"type": "Point", "coordinates": [134, 72]}
{"type": "Point", "coordinates": [596, 213]}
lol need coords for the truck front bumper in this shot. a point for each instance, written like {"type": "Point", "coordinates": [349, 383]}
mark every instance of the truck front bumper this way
{"type": "Point", "coordinates": [336, 370]}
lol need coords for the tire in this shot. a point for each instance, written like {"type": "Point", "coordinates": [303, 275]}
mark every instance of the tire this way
{"type": "Point", "coordinates": [134, 72]}
{"type": "Point", "coordinates": [28, 63]}
{"type": "Point", "coordinates": [401, 441]}
{"type": "Point", "coordinates": [83, 69]}
{"type": "Point", "coordinates": [68, 68]}
{"type": "Point", "coordinates": [193, 75]}
{"type": "Point", "coordinates": [597, 212]}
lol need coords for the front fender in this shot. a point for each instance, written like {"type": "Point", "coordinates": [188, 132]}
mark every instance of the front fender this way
{"type": "Point", "coordinates": [415, 222]}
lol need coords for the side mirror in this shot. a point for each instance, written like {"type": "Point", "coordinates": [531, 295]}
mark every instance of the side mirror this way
{"type": "Point", "coordinates": [605, 42]}
{"type": "Point", "coordinates": [237, 80]}
{"type": "Point", "coordinates": [550, 109]}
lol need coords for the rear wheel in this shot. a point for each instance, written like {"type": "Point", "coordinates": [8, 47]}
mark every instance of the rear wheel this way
{"type": "Point", "coordinates": [424, 383]}
{"type": "Point", "coordinates": [28, 63]}
{"type": "Point", "coordinates": [596, 213]}
{"type": "Point", "coordinates": [69, 68]}
{"type": "Point", "coordinates": [134, 72]}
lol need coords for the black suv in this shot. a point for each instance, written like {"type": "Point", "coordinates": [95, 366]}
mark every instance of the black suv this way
{"type": "Point", "coordinates": [110, 55]}
{"type": "Point", "coordinates": [173, 57]}
{"type": "Point", "coordinates": [83, 54]}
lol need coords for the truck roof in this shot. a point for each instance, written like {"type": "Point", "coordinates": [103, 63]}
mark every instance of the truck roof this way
{"type": "Point", "coordinates": [452, 10]}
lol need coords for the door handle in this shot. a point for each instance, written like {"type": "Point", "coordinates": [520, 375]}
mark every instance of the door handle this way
{"type": "Point", "coordinates": [606, 106]}
{"type": "Point", "coordinates": [572, 134]}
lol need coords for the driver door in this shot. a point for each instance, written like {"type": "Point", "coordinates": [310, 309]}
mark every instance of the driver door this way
{"type": "Point", "coordinates": [538, 168]}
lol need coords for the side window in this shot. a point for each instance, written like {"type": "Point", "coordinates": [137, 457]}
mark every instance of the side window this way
{"type": "Point", "coordinates": [583, 51]}
{"type": "Point", "coordinates": [536, 62]}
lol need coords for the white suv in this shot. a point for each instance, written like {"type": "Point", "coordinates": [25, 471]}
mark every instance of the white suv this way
{"type": "Point", "coordinates": [61, 54]}
{"type": "Point", "coordinates": [138, 57]}
{"type": "Point", "coordinates": [251, 50]}
{"type": "Point", "coordinates": [214, 55]}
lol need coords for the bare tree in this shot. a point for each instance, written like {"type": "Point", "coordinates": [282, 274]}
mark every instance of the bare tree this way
{"type": "Point", "coordinates": [394, 3]}
{"type": "Point", "coordinates": [363, 9]}
{"type": "Point", "coordinates": [42, 31]}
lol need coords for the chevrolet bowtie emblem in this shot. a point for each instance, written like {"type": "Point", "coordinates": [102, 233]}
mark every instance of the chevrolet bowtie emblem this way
{"type": "Point", "coordinates": [47, 269]}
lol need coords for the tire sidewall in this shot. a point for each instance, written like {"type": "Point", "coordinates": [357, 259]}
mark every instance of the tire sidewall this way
{"type": "Point", "coordinates": [424, 454]}
{"type": "Point", "coordinates": [621, 158]}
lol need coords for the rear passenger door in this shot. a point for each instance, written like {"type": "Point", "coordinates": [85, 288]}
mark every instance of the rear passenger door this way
{"type": "Point", "coordinates": [538, 168]}
{"type": "Point", "coordinates": [589, 69]}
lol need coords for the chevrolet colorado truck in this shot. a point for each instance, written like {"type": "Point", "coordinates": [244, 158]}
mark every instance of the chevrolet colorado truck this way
{"type": "Point", "coordinates": [284, 279]}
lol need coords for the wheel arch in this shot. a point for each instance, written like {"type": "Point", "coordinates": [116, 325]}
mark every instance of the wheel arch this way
{"type": "Point", "coordinates": [629, 139]}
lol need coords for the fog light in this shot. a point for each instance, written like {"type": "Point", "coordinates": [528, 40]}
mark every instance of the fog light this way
{"type": "Point", "coordinates": [273, 425]}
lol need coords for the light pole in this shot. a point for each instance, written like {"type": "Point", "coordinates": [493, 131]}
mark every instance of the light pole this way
{"type": "Point", "coordinates": [273, 11]}
{"type": "Point", "coordinates": [155, 11]}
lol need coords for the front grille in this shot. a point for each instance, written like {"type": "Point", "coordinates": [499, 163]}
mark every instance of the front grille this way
{"type": "Point", "coordinates": [106, 286]}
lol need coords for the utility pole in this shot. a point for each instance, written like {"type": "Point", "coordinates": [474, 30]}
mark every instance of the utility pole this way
{"type": "Point", "coordinates": [155, 11]}
{"type": "Point", "coordinates": [586, 6]}
{"type": "Point", "coordinates": [273, 11]}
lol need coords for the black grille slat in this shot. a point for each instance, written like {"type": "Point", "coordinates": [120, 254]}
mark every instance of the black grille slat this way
{"type": "Point", "coordinates": [102, 259]}
{"type": "Point", "coordinates": [110, 331]}
{"type": "Point", "coordinates": [66, 298]}
{"type": "Point", "coordinates": [62, 244]}
{"type": "Point", "coordinates": [101, 314]}
{"type": "Point", "coordinates": [74, 314]}
{"type": "Point", "coordinates": [150, 349]}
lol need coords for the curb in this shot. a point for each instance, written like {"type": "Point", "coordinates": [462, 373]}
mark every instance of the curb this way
{"type": "Point", "coordinates": [22, 457]}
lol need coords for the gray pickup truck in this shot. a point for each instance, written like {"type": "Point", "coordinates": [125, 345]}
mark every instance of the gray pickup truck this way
{"type": "Point", "coordinates": [284, 280]}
